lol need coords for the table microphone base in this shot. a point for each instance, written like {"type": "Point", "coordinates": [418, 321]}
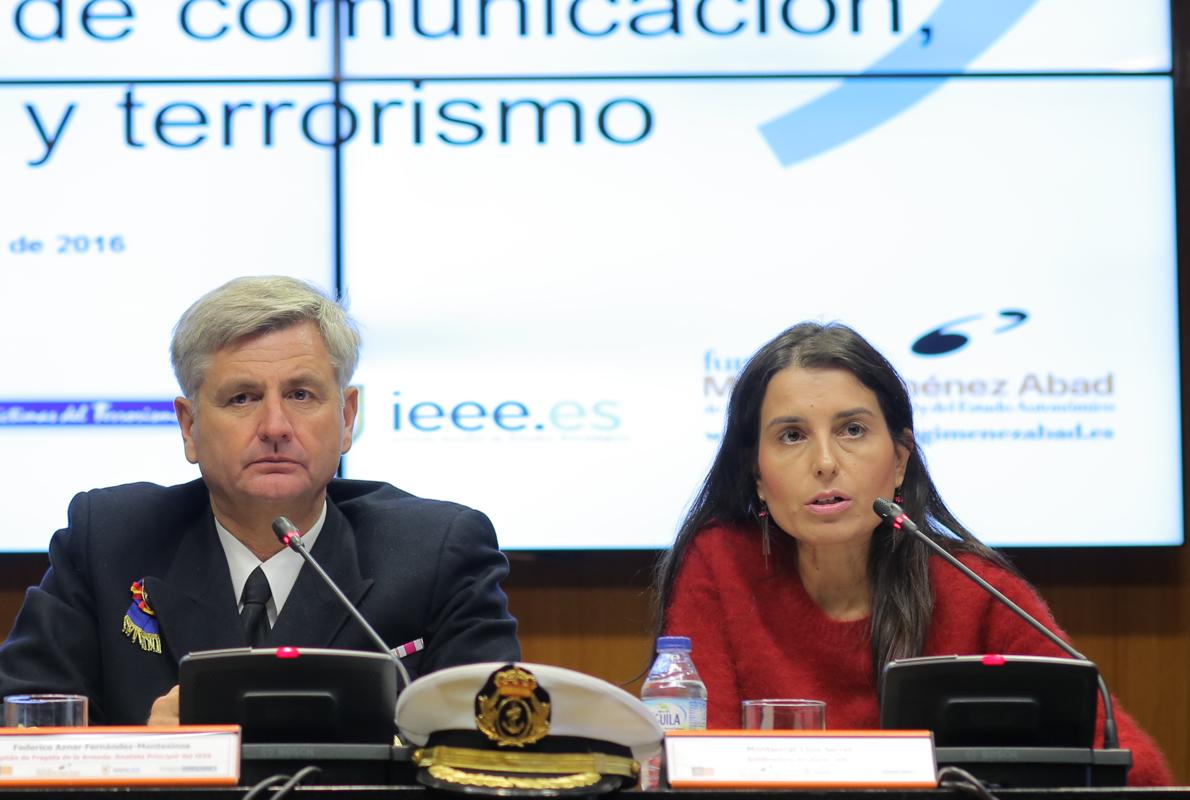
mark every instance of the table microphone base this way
{"type": "Point", "coordinates": [341, 764]}
{"type": "Point", "coordinates": [1039, 766]}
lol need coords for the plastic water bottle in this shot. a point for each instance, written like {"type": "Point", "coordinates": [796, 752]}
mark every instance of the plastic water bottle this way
{"type": "Point", "coordinates": [673, 691]}
{"type": "Point", "coordinates": [675, 694]}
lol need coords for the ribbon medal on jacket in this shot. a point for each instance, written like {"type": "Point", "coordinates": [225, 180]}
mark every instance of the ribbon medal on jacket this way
{"type": "Point", "coordinates": [140, 621]}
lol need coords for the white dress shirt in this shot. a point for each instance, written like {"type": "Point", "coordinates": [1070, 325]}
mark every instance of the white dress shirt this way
{"type": "Point", "coordinates": [281, 569]}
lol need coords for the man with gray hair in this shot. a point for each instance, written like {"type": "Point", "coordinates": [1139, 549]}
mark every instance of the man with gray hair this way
{"type": "Point", "coordinates": [144, 574]}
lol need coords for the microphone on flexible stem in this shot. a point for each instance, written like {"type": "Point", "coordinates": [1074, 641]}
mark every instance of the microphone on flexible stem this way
{"type": "Point", "coordinates": [291, 537]}
{"type": "Point", "coordinates": [900, 521]}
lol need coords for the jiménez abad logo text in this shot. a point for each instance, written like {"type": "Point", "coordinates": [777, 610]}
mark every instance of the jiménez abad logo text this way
{"type": "Point", "coordinates": [950, 337]}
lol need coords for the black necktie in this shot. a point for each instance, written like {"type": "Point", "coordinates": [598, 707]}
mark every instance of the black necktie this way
{"type": "Point", "coordinates": [255, 614]}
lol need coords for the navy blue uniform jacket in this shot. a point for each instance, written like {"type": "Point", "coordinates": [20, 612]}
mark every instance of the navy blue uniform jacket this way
{"type": "Point", "coordinates": [415, 569]}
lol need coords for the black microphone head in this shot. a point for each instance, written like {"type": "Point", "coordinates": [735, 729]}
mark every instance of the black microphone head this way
{"type": "Point", "coordinates": [885, 508]}
{"type": "Point", "coordinates": [283, 529]}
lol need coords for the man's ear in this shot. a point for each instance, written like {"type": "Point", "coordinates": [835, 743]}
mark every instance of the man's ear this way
{"type": "Point", "coordinates": [186, 422]}
{"type": "Point", "coordinates": [350, 410]}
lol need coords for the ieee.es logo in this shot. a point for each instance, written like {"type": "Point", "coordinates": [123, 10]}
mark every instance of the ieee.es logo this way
{"type": "Point", "coordinates": [950, 337]}
{"type": "Point", "coordinates": [507, 416]}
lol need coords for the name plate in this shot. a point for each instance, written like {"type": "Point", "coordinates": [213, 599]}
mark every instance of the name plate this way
{"type": "Point", "coordinates": [190, 755]}
{"type": "Point", "coordinates": [807, 759]}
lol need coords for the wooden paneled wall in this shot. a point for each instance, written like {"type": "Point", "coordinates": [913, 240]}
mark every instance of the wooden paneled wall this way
{"type": "Point", "coordinates": [1128, 610]}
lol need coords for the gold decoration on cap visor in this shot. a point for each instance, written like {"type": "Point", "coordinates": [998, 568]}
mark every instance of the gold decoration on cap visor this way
{"type": "Point", "coordinates": [461, 778]}
{"type": "Point", "coordinates": [534, 763]}
{"type": "Point", "coordinates": [511, 709]}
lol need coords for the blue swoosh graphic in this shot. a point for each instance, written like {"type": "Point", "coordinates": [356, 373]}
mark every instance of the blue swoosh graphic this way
{"type": "Point", "coordinates": [960, 31]}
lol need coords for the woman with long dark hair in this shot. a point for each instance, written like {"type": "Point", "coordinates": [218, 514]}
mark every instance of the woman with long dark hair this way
{"type": "Point", "coordinates": [788, 582]}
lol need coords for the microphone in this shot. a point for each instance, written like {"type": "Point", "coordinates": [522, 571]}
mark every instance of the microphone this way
{"type": "Point", "coordinates": [900, 521]}
{"type": "Point", "coordinates": [291, 537]}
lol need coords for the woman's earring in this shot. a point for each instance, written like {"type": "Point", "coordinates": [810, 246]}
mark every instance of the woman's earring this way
{"type": "Point", "coordinates": [897, 496]}
{"type": "Point", "coordinates": [765, 547]}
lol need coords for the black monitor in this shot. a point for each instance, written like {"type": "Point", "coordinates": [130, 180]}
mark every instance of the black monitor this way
{"type": "Point", "coordinates": [993, 701]}
{"type": "Point", "coordinates": [292, 694]}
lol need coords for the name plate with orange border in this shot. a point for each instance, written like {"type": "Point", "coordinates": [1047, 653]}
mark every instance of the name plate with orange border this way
{"type": "Point", "coordinates": [806, 759]}
{"type": "Point", "coordinates": [187, 755]}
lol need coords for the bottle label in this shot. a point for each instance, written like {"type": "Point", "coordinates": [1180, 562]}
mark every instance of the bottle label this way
{"type": "Point", "coordinates": [679, 714]}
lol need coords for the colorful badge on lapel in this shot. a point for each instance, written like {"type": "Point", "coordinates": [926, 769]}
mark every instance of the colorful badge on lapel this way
{"type": "Point", "coordinates": [140, 623]}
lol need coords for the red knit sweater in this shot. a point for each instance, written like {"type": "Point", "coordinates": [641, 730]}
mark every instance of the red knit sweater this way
{"type": "Point", "coordinates": [756, 633]}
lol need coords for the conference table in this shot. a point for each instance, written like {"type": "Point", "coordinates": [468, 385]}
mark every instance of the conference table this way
{"type": "Point", "coordinates": [346, 781]}
{"type": "Point", "coordinates": [357, 792]}
{"type": "Point", "coordinates": [380, 772]}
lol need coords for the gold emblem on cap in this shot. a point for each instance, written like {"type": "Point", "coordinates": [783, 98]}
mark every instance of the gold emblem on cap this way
{"type": "Point", "coordinates": [511, 709]}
